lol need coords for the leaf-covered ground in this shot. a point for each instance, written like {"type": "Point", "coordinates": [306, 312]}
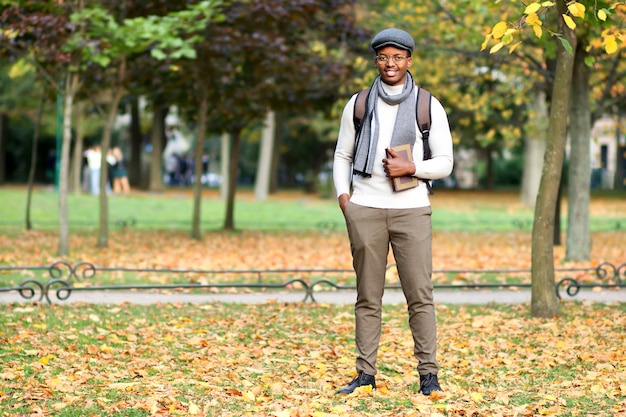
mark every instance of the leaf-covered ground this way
{"type": "Point", "coordinates": [288, 360]}
{"type": "Point", "coordinates": [289, 250]}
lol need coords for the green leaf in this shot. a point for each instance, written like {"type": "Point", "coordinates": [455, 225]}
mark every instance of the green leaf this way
{"type": "Point", "coordinates": [566, 45]}
{"type": "Point", "coordinates": [102, 60]}
{"type": "Point", "coordinates": [590, 61]}
{"type": "Point", "coordinates": [158, 54]}
{"type": "Point", "coordinates": [189, 53]}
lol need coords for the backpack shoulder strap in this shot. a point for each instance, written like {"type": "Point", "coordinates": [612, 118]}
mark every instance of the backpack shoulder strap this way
{"type": "Point", "coordinates": [422, 110]}
{"type": "Point", "coordinates": [359, 108]}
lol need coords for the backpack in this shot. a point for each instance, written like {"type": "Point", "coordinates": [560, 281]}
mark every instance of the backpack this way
{"type": "Point", "coordinates": [422, 115]}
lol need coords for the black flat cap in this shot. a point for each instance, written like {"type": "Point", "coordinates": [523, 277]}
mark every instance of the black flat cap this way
{"type": "Point", "coordinates": [393, 37]}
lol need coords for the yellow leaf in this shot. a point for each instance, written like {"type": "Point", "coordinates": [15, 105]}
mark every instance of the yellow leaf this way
{"type": "Point", "coordinates": [20, 68]}
{"type": "Point", "coordinates": [194, 409]}
{"type": "Point", "coordinates": [532, 18]}
{"type": "Point", "coordinates": [547, 4]}
{"type": "Point", "coordinates": [569, 22]}
{"type": "Point", "coordinates": [499, 29]}
{"type": "Point", "coordinates": [363, 389]}
{"type": "Point", "coordinates": [495, 48]}
{"type": "Point", "coordinates": [476, 397]}
{"type": "Point", "coordinates": [514, 47]}
{"type": "Point", "coordinates": [532, 8]}
{"type": "Point", "coordinates": [538, 31]}
{"type": "Point", "coordinates": [486, 42]}
{"type": "Point", "coordinates": [602, 15]}
{"type": "Point", "coordinates": [610, 44]}
{"type": "Point", "coordinates": [577, 9]}
{"type": "Point", "coordinates": [46, 359]}
{"type": "Point", "coordinates": [249, 396]}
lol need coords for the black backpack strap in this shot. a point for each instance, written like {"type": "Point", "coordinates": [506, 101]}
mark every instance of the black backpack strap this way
{"type": "Point", "coordinates": [359, 108]}
{"type": "Point", "coordinates": [422, 109]}
{"type": "Point", "coordinates": [423, 118]}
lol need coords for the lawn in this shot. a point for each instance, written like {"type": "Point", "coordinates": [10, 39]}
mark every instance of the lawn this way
{"type": "Point", "coordinates": [454, 210]}
{"type": "Point", "coordinates": [289, 359]}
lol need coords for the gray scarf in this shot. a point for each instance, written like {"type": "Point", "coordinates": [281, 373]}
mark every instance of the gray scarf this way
{"type": "Point", "coordinates": [403, 130]}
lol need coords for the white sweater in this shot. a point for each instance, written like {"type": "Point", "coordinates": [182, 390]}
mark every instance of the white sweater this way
{"type": "Point", "coordinates": [376, 191]}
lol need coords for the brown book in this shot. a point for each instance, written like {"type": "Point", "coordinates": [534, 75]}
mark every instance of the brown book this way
{"type": "Point", "coordinates": [407, 181]}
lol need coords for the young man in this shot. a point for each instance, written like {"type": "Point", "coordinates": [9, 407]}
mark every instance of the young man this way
{"type": "Point", "coordinates": [376, 216]}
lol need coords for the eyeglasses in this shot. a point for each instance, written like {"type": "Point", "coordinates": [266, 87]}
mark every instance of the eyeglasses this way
{"type": "Point", "coordinates": [383, 59]}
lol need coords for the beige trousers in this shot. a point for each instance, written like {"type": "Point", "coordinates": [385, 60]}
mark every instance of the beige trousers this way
{"type": "Point", "coordinates": [409, 231]}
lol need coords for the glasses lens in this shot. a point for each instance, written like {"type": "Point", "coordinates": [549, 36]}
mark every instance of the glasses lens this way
{"type": "Point", "coordinates": [383, 59]}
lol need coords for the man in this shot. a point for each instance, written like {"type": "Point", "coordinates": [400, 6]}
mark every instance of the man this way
{"type": "Point", "coordinates": [376, 216]}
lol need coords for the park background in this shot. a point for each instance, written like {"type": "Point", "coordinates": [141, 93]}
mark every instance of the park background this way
{"type": "Point", "coordinates": [255, 90]}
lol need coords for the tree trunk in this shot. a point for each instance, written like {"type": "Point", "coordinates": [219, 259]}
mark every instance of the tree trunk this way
{"type": "Point", "coordinates": [262, 185]}
{"type": "Point", "coordinates": [545, 302]}
{"type": "Point", "coordinates": [197, 186]}
{"type": "Point", "coordinates": [4, 138]}
{"type": "Point", "coordinates": [156, 140]}
{"type": "Point", "coordinates": [109, 123]}
{"type": "Point", "coordinates": [77, 158]}
{"type": "Point", "coordinates": [534, 150]}
{"type": "Point", "coordinates": [229, 222]}
{"type": "Point", "coordinates": [225, 166]}
{"type": "Point", "coordinates": [489, 174]}
{"type": "Point", "coordinates": [33, 159]}
{"type": "Point", "coordinates": [136, 144]}
{"type": "Point", "coordinates": [71, 86]}
{"type": "Point", "coordinates": [556, 240]}
{"type": "Point", "coordinates": [578, 247]}
{"type": "Point", "coordinates": [278, 121]}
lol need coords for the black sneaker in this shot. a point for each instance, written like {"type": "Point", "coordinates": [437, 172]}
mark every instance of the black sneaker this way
{"type": "Point", "coordinates": [362, 379]}
{"type": "Point", "coordinates": [429, 383]}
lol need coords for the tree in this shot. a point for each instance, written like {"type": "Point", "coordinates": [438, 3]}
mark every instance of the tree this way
{"type": "Point", "coordinates": [109, 42]}
{"type": "Point", "coordinates": [544, 300]}
{"type": "Point", "coordinates": [272, 56]}
{"type": "Point", "coordinates": [37, 31]}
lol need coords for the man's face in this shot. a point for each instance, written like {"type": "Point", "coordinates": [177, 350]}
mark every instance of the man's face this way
{"type": "Point", "coordinates": [393, 64]}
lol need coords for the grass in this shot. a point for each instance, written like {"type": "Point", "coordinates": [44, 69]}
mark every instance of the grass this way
{"type": "Point", "coordinates": [288, 359]}
{"type": "Point", "coordinates": [454, 211]}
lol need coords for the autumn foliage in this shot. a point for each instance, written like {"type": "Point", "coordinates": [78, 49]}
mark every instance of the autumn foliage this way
{"type": "Point", "coordinates": [287, 360]}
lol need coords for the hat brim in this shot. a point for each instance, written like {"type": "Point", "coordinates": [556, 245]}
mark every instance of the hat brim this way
{"type": "Point", "coordinates": [391, 43]}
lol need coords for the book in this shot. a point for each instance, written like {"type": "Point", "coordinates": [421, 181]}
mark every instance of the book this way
{"type": "Point", "coordinates": [407, 181]}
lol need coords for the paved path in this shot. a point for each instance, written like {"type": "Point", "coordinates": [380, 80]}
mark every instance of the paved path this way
{"type": "Point", "coordinates": [442, 296]}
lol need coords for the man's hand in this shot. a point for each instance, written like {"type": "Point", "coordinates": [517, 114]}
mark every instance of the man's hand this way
{"type": "Point", "coordinates": [344, 199]}
{"type": "Point", "coordinates": [397, 167]}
